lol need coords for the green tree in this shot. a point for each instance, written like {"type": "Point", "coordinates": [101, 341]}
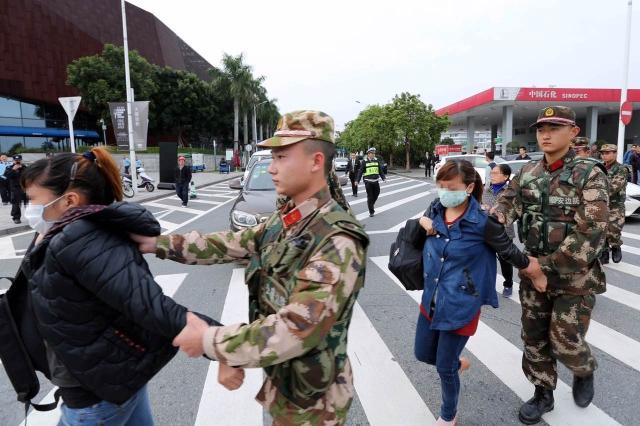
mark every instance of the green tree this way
{"type": "Point", "coordinates": [447, 141]}
{"type": "Point", "coordinates": [184, 104]}
{"type": "Point", "coordinates": [416, 124]}
{"type": "Point", "coordinates": [100, 78]}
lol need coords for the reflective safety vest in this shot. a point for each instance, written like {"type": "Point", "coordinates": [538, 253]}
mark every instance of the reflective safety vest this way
{"type": "Point", "coordinates": [371, 169]}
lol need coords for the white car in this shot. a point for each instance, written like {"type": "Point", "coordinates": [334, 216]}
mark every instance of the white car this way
{"type": "Point", "coordinates": [632, 202]}
{"type": "Point", "coordinates": [479, 163]}
{"type": "Point", "coordinates": [255, 157]}
{"type": "Point", "coordinates": [340, 164]}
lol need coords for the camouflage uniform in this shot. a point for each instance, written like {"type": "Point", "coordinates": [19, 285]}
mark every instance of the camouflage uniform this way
{"type": "Point", "coordinates": [581, 146]}
{"type": "Point", "coordinates": [617, 174]}
{"type": "Point", "coordinates": [306, 265]}
{"type": "Point", "coordinates": [563, 212]}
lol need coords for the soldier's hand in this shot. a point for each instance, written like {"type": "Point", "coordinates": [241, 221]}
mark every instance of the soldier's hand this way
{"type": "Point", "coordinates": [190, 338]}
{"type": "Point", "coordinates": [427, 224]}
{"type": "Point", "coordinates": [536, 275]}
{"type": "Point", "coordinates": [230, 377]}
{"type": "Point", "coordinates": [145, 244]}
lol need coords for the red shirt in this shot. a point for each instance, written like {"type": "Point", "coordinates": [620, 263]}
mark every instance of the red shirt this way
{"type": "Point", "coordinates": [472, 326]}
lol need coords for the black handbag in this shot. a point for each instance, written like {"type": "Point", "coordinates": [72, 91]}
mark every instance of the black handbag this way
{"type": "Point", "coordinates": [405, 256]}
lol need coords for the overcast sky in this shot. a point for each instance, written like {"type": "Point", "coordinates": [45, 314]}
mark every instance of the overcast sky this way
{"type": "Point", "coordinates": [329, 54]}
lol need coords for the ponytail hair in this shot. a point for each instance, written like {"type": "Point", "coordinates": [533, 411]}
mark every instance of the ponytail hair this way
{"type": "Point", "coordinates": [94, 173]}
{"type": "Point", "coordinates": [467, 173]}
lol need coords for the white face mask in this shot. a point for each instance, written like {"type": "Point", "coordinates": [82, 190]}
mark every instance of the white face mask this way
{"type": "Point", "coordinates": [34, 213]}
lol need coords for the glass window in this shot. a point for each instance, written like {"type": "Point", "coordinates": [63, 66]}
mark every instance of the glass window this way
{"type": "Point", "coordinates": [9, 108]}
{"type": "Point", "coordinates": [31, 111]}
{"type": "Point", "coordinates": [6, 142]}
{"type": "Point", "coordinates": [33, 123]}
{"type": "Point", "coordinates": [56, 123]}
{"type": "Point", "coordinates": [10, 122]}
{"type": "Point", "coordinates": [480, 162]}
{"type": "Point", "coordinates": [34, 142]}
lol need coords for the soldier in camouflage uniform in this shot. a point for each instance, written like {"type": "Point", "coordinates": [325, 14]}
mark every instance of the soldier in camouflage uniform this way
{"type": "Point", "coordinates": [306, 265]}
{"type": "Point", "coordinates": [617, 174]}
{"type": "Point", "coordinates": [581, 146]}
{"type": "Point", "coordinates": [561, 204]}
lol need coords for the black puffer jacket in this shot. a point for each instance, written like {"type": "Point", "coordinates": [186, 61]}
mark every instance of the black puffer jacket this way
{"type": "Point", "coordinates": [97, 304]}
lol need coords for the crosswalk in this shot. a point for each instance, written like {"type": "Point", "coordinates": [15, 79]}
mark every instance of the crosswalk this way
{"type": "Point", "coordinates": [392, 388]}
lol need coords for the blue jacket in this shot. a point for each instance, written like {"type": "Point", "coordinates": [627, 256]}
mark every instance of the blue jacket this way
{"type": "Point", "coordinates": [459, 268]}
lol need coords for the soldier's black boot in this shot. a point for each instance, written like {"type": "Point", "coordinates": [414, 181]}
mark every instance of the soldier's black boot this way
{"type": "Point", "coordinates": [604, 256]}
{"type": "Point", "coordinates": [542, 402]}
{"type": "Point", "coordinates": [616, 254]}
{"type": "Point", "coordinates": [583, 390]}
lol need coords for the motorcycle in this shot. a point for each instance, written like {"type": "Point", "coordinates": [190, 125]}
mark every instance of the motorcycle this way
{"type": "Point", "coordinates": [127, 187]}
{"type": "Point", "coordinates": [144, 180]}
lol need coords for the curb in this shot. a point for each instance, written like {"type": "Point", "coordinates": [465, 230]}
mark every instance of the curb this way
{"type": "Point", "coordinates": [22, 228]}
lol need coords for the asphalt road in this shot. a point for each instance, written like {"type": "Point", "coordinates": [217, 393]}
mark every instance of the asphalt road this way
{"type": "Point", "coordinates": [392, 387]}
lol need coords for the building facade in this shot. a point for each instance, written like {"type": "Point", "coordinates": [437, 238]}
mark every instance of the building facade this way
{"type": "Point", "coordinates": [39, 38]}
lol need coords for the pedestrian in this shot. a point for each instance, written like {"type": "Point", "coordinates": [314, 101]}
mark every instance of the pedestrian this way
{"type": "Point", "coordinates": [499, 178]}
{"type": "Point", "coordinates": [127, 165]}
{"type": "Point", "coordinates": [371, 172]}
{"type": "Point", "coordinates": [5, 194]}
{"type": "Point", "coordinates": [457, 285]}
{"type": "Point", "coordinates": [18, 197]}
{"type": "Point", "coordinates": [489, 157]}
{"type": "Point", "coordinates": [523, 154]}
{"type": "Point", "coordinates": [436, 159]}
{"type": "Point", "coordinates": [617, 174]}
{"type": "Point", "coordinates": [581, 147]}
{"type": "Point", "coordinates": [561, 203]}
{"type": "Point", "coordinates": [593, 152]}
{"type": "Point", "coordinates": [428, 166]}
{"type": "Point", "coordinates": [627, 155]}
{"type": "Point", "coordinates": [306, 265]}
{"type": "Point", "coordinates": [182, 176]}
{"type": "Point", "coordinates": [635, 164]}
{"type": "Point", "coordinates": [107, 328]}
{"type": "Point", "coordinates": [353, 166]}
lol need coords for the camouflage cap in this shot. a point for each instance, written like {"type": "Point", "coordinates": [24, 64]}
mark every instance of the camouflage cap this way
{"type": "Point", "coordinates": [296, 126]}
{"type": "Point", "coordinates": [561, 115]}
{"type": "Point", "coordinates": [609, 147]}
{"type": "Point", "coordinates": [581, 142]}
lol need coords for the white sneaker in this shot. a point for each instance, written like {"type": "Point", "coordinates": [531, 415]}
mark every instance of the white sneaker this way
{"type": "Point", "coordinates": [441, 422]}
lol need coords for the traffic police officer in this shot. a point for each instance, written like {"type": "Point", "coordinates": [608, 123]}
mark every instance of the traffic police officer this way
{"type": "Point", "coordinates": [617, 174]}
{"type": "Point", "coordinates": [561, 203]}
{"type": "Point", "coordinates": [371, 172]}
{"type": "Point", "coordinates": [306, 265]}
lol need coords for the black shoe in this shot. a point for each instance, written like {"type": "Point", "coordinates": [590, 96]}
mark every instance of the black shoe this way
{"type": "Point", "coordinates": [370, 214]}
{"type": "Point", "coordinates": [583, 390]}
{"type": "Point", "coordinates": [542, 402]}
{"type": "Point", "coordinates": [16, 221]}
{"type": "Point", "coordinates": [604, 256]}
{"type": "Point", "coordinates": [616, 254]}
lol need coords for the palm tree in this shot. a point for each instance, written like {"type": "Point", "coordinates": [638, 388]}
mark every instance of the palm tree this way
{"type": "Point", "coordinates": [237, 75]}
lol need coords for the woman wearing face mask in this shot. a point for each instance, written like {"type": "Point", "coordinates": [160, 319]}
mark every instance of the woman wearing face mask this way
{"type": "Point", "coordinates": [106, 326]}
{"type": "Point", "coordinates": [500, 176]}
{"type": "Point", "coordinates": [460, 275]}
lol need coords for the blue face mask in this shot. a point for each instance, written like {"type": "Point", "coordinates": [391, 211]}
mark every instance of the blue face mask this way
{"type": "Point", "coordinates": [452, 198]}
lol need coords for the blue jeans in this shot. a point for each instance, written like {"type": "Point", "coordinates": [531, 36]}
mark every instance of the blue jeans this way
{"type": "Point", "coordinates": [442, 349]}
{"type": "Point", "coordinates": [136, 411]}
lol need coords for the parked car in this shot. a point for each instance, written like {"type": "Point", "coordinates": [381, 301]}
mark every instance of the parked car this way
{"type": "Point", "coordinates": [516, 165]}
{"type": "Point", "coordinates": [257, 198]}
{"type": "Point", "coordinates": [340, 164]}
{"type": "Point", "coordinates": [255, 157]}
{"type": "Point", "coordinates": [479, 163]}
{"type": "Point", "coordinates": [632, 202]}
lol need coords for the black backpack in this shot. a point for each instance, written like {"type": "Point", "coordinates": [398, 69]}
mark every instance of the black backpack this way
{"type": "Point", "coordinates": [405, 256]}
{"type": "Point", "coordinates": [22, 349]}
